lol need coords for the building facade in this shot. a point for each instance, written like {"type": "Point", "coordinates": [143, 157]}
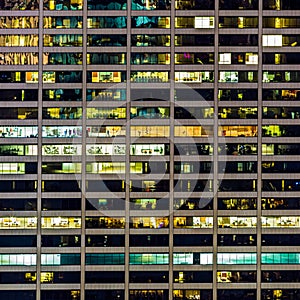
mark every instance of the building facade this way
{"type": "Point", "coordinates": [149, 149]}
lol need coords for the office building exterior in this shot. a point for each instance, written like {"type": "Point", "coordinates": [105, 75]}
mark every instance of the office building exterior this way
{"type": "Point", "coordinates": [149, 149]}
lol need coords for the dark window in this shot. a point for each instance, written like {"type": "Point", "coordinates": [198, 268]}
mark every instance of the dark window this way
{"type": "Point", "coordinates": [13, 295]}
{"type": "Point", "coordinates": [60, 241]}
{"type": "Point", "coordinates": [151, 240]}
{"type": "Point", "coordinates": [105, 241]}
{"type": "Point", "coordinates": [17, 241]}
{"type": "Point", "coordinates": [193, 240]}
{"type": "Point", "coordinates": [104, 294]}
{"type": "Point", "coordinates": [148, 277]}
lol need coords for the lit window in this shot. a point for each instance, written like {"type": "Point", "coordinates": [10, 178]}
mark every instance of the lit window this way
{"type": "Point", "coordinates": [204, 22]}
{"type": "Point", "coordinates": [225, 58]}
{"type": "Point", "coordinates": [61, 149]}
{"type": "Point", "coordinates": [205, 76]}
{"type": "Point", "coordinates": [251, 59]}
{"type": "Point", "coordinates": [107, 77]}
{"type": "Point", "coordinates": [150, 131]}
{"type": "Point", "coordinates": [272, 40]}
{"type": "Point", "coordinates": [105, 149]}
{"type": "Point", "coordinates": [106, 167]}
{"type": "Point", "coordinates": [236, 258]}
{"type": "Point", "coordinates": [32, 77]}
{"type": "Point", "coordinates": [229, 76]}
{"type": "Point", "coordinates": [148, 259]}
{"type": "Point", "coordinates": [183, 258]}
{"type": "Point", "coordinates": [18, 259]}
{"type": "Point", "coordinates": [280, 258]}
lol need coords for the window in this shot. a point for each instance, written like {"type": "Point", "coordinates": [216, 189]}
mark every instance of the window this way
{"type": "Point", "coordinates": [234, 5]}
{"type": "Point", "coordinates": [282, 222]}
{"type": "Point", "coordinates": [105, 204]}
{"type": "Point", "coordinates": [62, 40]}
{"type": "Point", "coordinates": [106, 113]}
{"type": "Point", "coordinates": [19, 131]}
{"type": "Point", "coordinates": [62, 95]}
{"type": "Point", "coordinates": [67, 149]}
{"type": "Point", "coordinates": [109, 5]}
{"type": "Point", "coordinates": [150, 22]}
{"type": "Point", "coordinates": [272, 40]}
{"type": "Point", "coordinates": [18, 222]}
{"type": "Point", "coordinates": [238, 22]}
{"type": "Point", "coordinates": [17, 58]}
{"type": "Point", "coordinates": [149, 149]}
{"type": "Point", "coordinates": [149, 77]}
{"type": "Point", "coordinates": [193, 131]}
{"type": "Point", "coordinates": [61, 241]}
{"type": "Point", "coordinates": [192, 258]}
{"type": "Point", "coordinates": [225, 58]}
{"type": "Point", "coordinates": [60, 222]}
{"type": "Point", "coordinates": [106, 168]}
{"type": "Point", "coordinates": [104, 277]}
{"type": "Point", "coordinates": [62, 113]}
{"type": "Point", "coordinates": [106, 58]}
{"type": "Point", "coordinates": [105, 259]}
{"type": "Point", "coordinates": [237, 113]}
{"type": "Point", "coordinates": [62, 58]}
{"type": "Point", "coordinates": [61, 131]}
{"type": "Point", "coordinates": [105, 149]}
{"type": "Point", "coordinates": [104, 222]}
{"type": "Point", "coordinates": [105, 240]}
{"type": "Point", "coordinates": [193, 204]}
{"type": "Point", "coordinates": [228, 76]}
{"type": "Point", "coordinates": [204, 22]}
{"type": "Point", "coordinates": [106, 95]}
{"type": "Point", "coordinates": [239, 203]}
{"type": "Point", "coordinates": [105, 131]}
{"type": "Point", "coordinates": [150, 5]}
{"type": "Point", "coordinates": [18, 22]}
{"type": "Point", "coordinates": [237, 222]}
{"type": "Point", "coordinates": [192, 276]}
{"type": "Point", "coordinates": [149, 222]}
{"type": "Point", "coordinates": [157, 294]}
{"type": "Point", "coordinates": [62, 22]}
{"type": "Point", "coordinates": [149, 259]}
{"type": "Point", "coordinates": [194, 40]}
{"type": "Point", "coordinates": [60, 259]}
{"type": "Point", "coordinates": [193, 222]}
{"type": "Point", "coordinates": [236, 258]}
{"type": "Point", "coordinates": [240, 240]}
{"type": "Point", "coordinates": [21, 40]}
{"type": "Point", "coordinates": [280, 258]}
{"type": "Point", "coordinates": [149, 240]}
{"type": "Point", "coordinates": [251, 59]}
{"type": "Point", "coordinates": [238, 131]}
{"type": "Point", "coordinates": [150, 131]}
{"type": "Point", "coordinates": [17, 259]}
{"type": "Point", "coordinates": [58, 5]}
{"type": "Point", "coordinates": [96, 40]}
{"type": "Point", "coordinates": [58, 77]}
{"type": "Point", "coordinates": [14, 168]}
{"type": "Point", "coordinates": [99, 77]}
{"type": "Point", "coordinates": [196, 77]}
{"type": "Point", "coordinates": [150, 58]}
{"type": "Point", "coordinates": [146, 40]}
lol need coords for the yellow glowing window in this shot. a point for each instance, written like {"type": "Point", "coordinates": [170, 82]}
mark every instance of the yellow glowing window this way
{"type": "Point", "coordinates": [251, 59]}
{"type": "Point", "coordinates": [150, 131]}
